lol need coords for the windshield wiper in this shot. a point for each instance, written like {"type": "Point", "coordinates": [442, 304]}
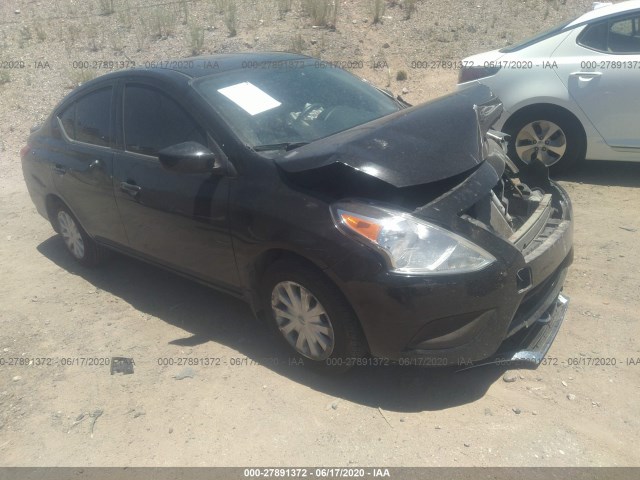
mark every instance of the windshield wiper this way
{"type": "Point", "coordinates": [280, 146]}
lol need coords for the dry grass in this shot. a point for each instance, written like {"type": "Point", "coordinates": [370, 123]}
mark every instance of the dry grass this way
{"type": "Point", "coordinates": [5, 77]}
{"type": "Point", "coordinates": [41, 33]}
{"type": "Point", "coordinates": [106, 7]}
{"type": "Point", "coordinates": [297, 44]}
{"type": "Point", "coordinates": [25, 36]}
{"type": "Point", "coordinates": [377, 8]}
{"type": "Point", "coordinates": [284, 7]}
{"type": "Point", "coordinates": [78, 76]}
{"type": "Point", "coordinates": [196, 39]}
{"type": "Point", "coordinates": [231, 17]}
{"type": "Point", "coordinates": [409, 8]}
{"type": "Point", "coordinates": [162, 21]}
{"type": "Point", "coordinates": [323, 13]}
{"type": "Point", "coordinates": [95, 36]}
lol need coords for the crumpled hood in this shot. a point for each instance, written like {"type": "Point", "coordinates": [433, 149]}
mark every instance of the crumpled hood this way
{"type": "Point", "coordinates": [418, 145]}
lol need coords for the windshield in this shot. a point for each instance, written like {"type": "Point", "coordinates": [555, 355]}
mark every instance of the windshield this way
{"type": "Point", "coordinates": [280, 108]}
{"type": "Point", "coordinates": [536, 38]}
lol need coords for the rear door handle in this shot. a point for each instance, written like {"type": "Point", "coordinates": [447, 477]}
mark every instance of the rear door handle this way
{"type": "Point", "coordinates": [59, 169]}
{"type": "Point", "coordinates": [96, 164]}
{"type": "Point", "coordinates": [130, 188]}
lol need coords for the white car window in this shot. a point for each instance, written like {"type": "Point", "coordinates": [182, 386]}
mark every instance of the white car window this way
{"type": "Point", "coordinates": [618, 36]}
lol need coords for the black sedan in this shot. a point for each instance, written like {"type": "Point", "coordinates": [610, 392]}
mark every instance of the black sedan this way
{"type": "Point", "coordinates": [362, 229]}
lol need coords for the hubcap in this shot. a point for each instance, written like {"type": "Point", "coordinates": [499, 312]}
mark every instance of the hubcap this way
{"type": "Point", "coordinates": [543, 140]}
{"type": "Point", "coordinates": [302, 320]}
{"type": "Point", "coordinates": [71, 234]}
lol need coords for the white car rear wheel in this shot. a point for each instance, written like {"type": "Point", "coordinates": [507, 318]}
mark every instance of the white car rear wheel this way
{"type": "Point", "coordinates": [542, 140]}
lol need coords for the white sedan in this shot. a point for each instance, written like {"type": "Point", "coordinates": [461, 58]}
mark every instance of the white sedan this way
{"type": "Point", "coordinates": [570, 93]}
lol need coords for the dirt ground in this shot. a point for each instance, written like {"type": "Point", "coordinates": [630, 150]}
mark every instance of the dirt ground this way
{"type": "Point", "coordinates": [258, 413]}
{"type": "Point", "coordinates": [60, 406]}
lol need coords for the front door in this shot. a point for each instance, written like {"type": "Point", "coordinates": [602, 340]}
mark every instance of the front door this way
{"type": "Point", "coordinates": [177, 219]}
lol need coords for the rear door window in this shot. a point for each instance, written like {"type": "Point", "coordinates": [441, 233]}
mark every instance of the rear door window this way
{"type": "Point", "coordinates": [619, 36]}
{"type": "Point", "coordinates": [624, 36]}
{"type": "Point", "coordinates": [88, 120]}
{"type": "Point", "coordinates": [93, 118]}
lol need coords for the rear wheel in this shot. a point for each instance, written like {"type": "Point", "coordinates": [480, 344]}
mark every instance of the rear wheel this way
{"type": "Point", "coordinates": [553, 137]}
{"type": "Point", "coordinates": [312, 317]}
{"type": "Point", "coordinates": [81, 247]}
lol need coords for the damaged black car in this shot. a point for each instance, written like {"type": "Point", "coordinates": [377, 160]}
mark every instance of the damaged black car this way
{"type": "Point", "coordinates": [361, 229]}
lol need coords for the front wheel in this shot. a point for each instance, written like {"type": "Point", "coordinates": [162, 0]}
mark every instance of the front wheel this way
{"type": "Point", "coordinates": [81, 247]}
{"type": "Point", "coordinates": [554, 138]}
{"type": "Point", "coordinates": [312, 317]}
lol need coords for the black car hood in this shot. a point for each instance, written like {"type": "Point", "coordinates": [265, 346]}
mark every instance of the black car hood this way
{"type": "Point", "coordinates": [418, 145]}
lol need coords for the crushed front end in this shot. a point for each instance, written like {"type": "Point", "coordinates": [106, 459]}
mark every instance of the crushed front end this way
{"type": "Point", "coordinates": [508, 308]}
{"type": "Point", "coordinates": [530, 219]}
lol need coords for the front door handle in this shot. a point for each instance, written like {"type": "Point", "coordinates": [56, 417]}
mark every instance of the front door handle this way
{"type": "Point", "coordinates": [59, 169]}
{"type": "Point", "coordinates": [130, 188]}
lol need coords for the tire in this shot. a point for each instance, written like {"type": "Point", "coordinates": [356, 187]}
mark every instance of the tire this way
{"type": "Point", "coordinates": [299, 300]}
{"type": "Point", "coordinates": [559, 139]}
{"type": "Point", "coordinates": [80, 246]}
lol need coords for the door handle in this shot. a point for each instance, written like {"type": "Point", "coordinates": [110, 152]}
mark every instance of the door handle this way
{"type": "Point", "coordinates": [588, 75]}
{"type": "Point", "coordinates": [59, 169]}
{"type": "Point", "coordinates": [130, 188]}
{"type": "Point", "coordinates": [96, 164]}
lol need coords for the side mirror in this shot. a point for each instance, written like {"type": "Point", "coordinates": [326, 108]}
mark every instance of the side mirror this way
{"type": "Point", "coordinates": [188, 157]}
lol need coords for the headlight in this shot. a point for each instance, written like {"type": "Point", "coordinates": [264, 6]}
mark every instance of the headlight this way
{"type": "Point", "coordinates": [411, 245]}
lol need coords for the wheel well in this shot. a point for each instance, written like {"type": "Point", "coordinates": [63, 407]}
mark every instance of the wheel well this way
{"type": "Point", "coordinates": [261, 264]}
{"type": "Point", "coordinates": [543, 108]}
{"type": "Point", "coordinates": [50, 203]}
{"type": "Point", "coordinates": [268, 258]}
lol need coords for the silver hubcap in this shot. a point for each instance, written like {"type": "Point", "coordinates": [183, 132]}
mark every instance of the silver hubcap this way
{"type": "Point", "coordinates": [302, 320]}
{"type": "Point", "coordinates": [71, 234]}
{"type": "Point", "coordinates": [543, 140]}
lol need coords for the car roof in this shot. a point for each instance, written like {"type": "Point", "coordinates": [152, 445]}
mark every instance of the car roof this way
{"type": "Point", "coordinates": [183, 70]}
{"type": "Point", "coordinates": [606, 11]}
{"type": "Point", "coordinates": [195, 67]}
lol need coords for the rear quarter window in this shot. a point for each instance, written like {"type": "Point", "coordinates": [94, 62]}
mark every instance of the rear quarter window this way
{"type": "Point", "coordinates": [68, 121]}
{"type": "Point", "coordinates": [616, 36]}
{"type": "Point", "coordinates": [88, 119]}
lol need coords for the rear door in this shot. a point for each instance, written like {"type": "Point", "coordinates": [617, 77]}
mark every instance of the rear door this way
{"type": "Point", "coordinates": [600, 65]}
{"type": "Point", "coordinates": [82, 157]}
{"type": "Point", "coordinates": [177, 219]}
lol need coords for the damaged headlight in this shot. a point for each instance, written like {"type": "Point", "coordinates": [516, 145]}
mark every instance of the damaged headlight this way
{"type": "Point", "coordinates": [411, 245]}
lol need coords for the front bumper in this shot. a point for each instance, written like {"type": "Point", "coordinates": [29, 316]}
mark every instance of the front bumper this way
{"type": "Point", "coordinates": [531, 348]}
{"type": "Point", "coordinates": [468, 318]}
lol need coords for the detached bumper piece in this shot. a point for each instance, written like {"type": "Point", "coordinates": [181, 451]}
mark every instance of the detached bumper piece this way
{"type": "Point", "coordinates": [529, 346]}
{"type": "Point", "coordinates": [535, 341]}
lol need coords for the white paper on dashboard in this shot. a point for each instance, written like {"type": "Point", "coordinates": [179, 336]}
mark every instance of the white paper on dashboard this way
{"type": "Point", "coordinates": [250, 98]}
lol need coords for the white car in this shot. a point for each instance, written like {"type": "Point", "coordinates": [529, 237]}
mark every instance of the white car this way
{"type": "Point", "coordinates": [572, 92]}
